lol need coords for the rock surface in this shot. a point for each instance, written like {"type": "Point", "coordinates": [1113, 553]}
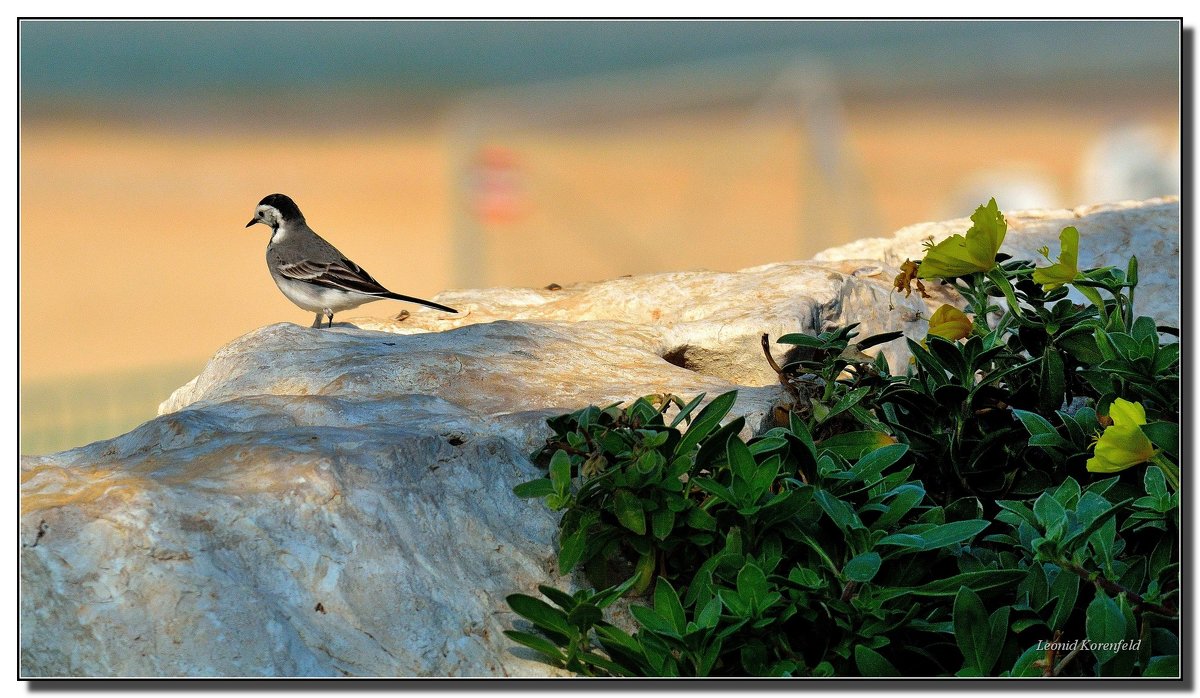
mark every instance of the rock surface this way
{"type": "Point", "coordinates": [338, 502]}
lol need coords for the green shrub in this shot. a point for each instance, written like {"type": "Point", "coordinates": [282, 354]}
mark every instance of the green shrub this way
{"type": "Point", "coordinates": [1016, 486]}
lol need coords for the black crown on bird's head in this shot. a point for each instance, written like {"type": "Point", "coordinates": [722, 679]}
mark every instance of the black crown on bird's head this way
{"type": "Point", "coordinates": [284, 204]}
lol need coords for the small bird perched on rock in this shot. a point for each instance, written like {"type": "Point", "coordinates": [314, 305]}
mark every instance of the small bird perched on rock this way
{"type": "Point", "coordinates": [312, 273]}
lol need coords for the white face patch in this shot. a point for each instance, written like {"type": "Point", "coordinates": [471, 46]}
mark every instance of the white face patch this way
{"type": "Point", "coordinates": [269, 215]}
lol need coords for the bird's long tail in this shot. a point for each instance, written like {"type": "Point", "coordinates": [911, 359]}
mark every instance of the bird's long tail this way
{"type": "Point", "coordinates": [419, 301]}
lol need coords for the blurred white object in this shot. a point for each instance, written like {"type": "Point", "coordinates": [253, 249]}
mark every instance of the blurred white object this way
{"type": "Point", "coordinates": [1131, 161]}
{"type": "Point", "coordinates": [1015, 188]}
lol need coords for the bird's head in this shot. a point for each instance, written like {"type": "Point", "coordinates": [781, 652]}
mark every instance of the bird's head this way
{"type": "Point", "coordinates": [275, 210]}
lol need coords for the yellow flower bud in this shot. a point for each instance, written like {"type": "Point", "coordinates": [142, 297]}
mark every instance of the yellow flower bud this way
{"type": "Point", "coordinates": [950, 323]}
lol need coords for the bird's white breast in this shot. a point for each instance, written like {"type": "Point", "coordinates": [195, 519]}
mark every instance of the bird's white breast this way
{"type": "Point", "coordinates": [316, 299]}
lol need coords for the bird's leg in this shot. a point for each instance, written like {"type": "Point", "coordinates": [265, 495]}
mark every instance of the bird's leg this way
{"type": "Point", "coordinates": [329, 314]}
{"type": "Point", "coordinates": [317, 321]}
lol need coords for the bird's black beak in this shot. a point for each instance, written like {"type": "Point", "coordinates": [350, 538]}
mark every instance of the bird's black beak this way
{"type": "Point", "coordinates": [252, 222]}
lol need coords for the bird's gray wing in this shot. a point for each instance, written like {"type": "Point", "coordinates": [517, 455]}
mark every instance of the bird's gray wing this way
{"type": "Point", "coordinates": [342, 275]}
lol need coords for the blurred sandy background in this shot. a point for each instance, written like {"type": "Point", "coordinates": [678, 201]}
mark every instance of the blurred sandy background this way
{"type": "Point", "coordinates": [551, 152]}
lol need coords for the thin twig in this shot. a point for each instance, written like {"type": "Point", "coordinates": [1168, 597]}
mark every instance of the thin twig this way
{"type": "Point", "coordinates": [1048, 662]}
{"type": "Point", "coordinates": [766, 345]}
{"type": "Point", "coordinates": [1066, 660]}
{"type": "Point", "coordinates": [1114, 588]}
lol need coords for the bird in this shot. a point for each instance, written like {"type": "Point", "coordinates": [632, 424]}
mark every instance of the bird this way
{"type": "Point", "coordinates": [312, 273]}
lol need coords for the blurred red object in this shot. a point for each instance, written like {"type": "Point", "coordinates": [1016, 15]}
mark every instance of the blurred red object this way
{"type": "Point", "coordinates": [497, 191]}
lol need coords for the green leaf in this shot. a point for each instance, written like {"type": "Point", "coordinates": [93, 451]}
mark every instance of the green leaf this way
{"type": "Point", "coordinates": [1164, 435]}
{"type": "Point", "coordinates": [839, 512]}
{"type": "Point", "coordinates": [1048, 511]}
{"type": "Point", "coordinates": [712, 448]}
{"type": "Point", "coordinates": [904, 499]}
{"type": "Point", "coordinates": [1051, 385]}
{"type": "Point", "coordinates": [1083, 347]}
{"type": "Point", "coordinates": [1105, 623]}
{"type": "Point", "coordinates": [643, 572]}
{"type": "Point", "coordinates": [628, 509]}
{"type": "Point", "coordinates": [1067, 493]}
{"type": "Point", "coordinates": [564, 600]}
{"type": "Point", "coordinates": [977, 581]}
{"type": "Point", "coordinates": [605, 598]}
{"type": "Point", "coordinates": [654, 439]}
{"type": "Point", "coordinates": [1064, 590]}
{"type": "Point", "coordinates": [881, 338]}
{"type": "Point", "coordinates": [798, 429]}
{"type": "Point", "coordinates": [1097, 522]}
{"type": "Point", "coordinates": [534, 488]}
{"type": "Point", "coordinates": [607, 665]}
{"type": "Point", "coordinates": [1103, 541]}
{"type": "Point", "coordinates": [971, 631]}
{"type": "Point", "coordinates": [871, 663]}
{"type": "Point", "coordinates": [862, 568]}
{"type": "Point", "coordinates": [1144, 328]}
{"type": "Point", "coordinates": [662, 522]}
{"type": "Point", "coordinates": [1163, 665]}
{"type": "Point", "coordinates": [926, 360]}
{"type": "Point", "coordinates": [666, 604]}
{"type": "Point", "coordinates": [540, 613]}
{"type": "Point", "coordinates": [801, 340]}
{"type": "Point", "coordinates": [653, 621]}
{"type": "Point", "coordinates": [877, 461]}
{"type": "Point", "coordinates": [737, 605]}
{"type": "Point", "coordinates": [847, 401]}
{"type": "Point", "coordinates": [784, 505]}
{"type": "Point", "coordinates": [1167, 358]}
{"type": "Point", "coordinates": [741, 462]}
{"type": "Point", "coordinates": [584, 616]}
{"type": "Point", "coordinates": [571, 549]}
{"type": "Point", "coordinates": [700, 519]}
{"type": "Point", "coordinates": [538, 644]}
{"type": "Point", "coordinates": [764, 476]}
{"type": "Point", "coordinates": [941, 536]}
{"type": "Point", "coordinates": [710, 615]}
{"type": "Point", "coordinates": [708, 419]}
{"type": "Point", "coordinates": [852, 445]}
{"type": "Point", "coordinates": [1024, 666]}
{"type": "Point", "coordinates": [687, 409]}
{"type": "Point", "coordinates": [752, 583]}
{"type": "Point", "coordinates": [1040, 428]}
{"type": "Point", "coordinates": [997, 634]}
{"type": "Point", "coordinates": [1155, 483]}
{"type": "Point", "coordinates": [560, 471]}
{"type": "Point", "coordinates": [715, 488]}
{"type": "Point", "coordinates": [949, 354]}
{"type": "Point", "coordinates": [997, 277]}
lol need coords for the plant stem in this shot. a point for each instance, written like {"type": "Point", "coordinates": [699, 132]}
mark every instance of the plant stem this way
{"type": "Point", "coordinates": [1114, 588]}
{"type": "Point", "coordinates": [1066, 660]}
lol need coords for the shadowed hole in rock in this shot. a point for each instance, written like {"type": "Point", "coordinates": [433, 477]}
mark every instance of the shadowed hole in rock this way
{"type": "Point", "coordinates": [683, 357]}
{"type": "Point", "coordinates": [714, 363]}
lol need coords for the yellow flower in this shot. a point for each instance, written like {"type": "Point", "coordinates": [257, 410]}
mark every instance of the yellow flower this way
{"type": "Point", "coordinates": [958, 255]}
{"type": "Point", "coordinates": [1123, 444]}
{"type": "Point", "coordinates": [949, 322]}
{"type": "Point", "coordinates": [1067, 268]}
